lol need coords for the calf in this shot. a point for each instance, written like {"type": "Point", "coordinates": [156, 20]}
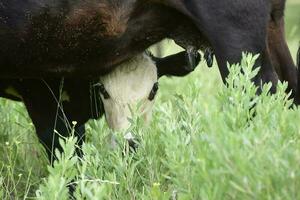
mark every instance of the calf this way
{"type": "Point", "coordinates": [53, 104]}
{"type": "Point", "coordinates": [127, 85]}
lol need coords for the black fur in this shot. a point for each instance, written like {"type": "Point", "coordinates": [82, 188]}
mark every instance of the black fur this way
{"type": "Point", "coordinates": [255, 26]}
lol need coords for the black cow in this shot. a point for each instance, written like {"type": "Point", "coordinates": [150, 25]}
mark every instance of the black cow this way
{"type": "Point", "coordinates": [55, 103]}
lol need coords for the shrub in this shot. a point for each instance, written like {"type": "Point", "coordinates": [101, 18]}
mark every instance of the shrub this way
{"type": "Point", "coordinates": [237, 146]}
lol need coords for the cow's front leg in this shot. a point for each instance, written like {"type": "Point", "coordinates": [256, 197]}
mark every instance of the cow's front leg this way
{"type": "Point", "coordinates": [49, 137]}
{"type": "Point", "coordinates": [50, 129]}
{"type": "Point", "coordinates": [46, 108]}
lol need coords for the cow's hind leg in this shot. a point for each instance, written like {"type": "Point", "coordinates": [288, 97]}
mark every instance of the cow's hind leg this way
{"type": "Point", "coordinates": [233, 41]}
{"type": "Point", "coordinates": [233, 27]}
{"type": "Point", "coordinates": [281, 56]}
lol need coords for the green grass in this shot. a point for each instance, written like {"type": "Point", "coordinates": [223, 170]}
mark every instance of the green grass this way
{"type": "Point", "coordinates": [201, 144]}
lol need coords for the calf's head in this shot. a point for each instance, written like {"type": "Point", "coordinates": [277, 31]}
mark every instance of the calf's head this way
{"type": "Point", "coordinates": [130, 84]}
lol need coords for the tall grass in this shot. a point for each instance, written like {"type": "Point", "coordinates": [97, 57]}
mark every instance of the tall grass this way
{"type": "Point", "coordinates": [224, 148]}
{"type": "Point", "coordinates": [206, 141]}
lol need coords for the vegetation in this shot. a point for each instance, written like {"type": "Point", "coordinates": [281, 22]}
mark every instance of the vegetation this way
{"type": "Point", "coordinates": [206, 141]}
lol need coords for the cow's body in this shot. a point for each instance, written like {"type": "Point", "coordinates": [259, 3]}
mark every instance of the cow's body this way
{"type": "Point", "coordinates": [77, 38]}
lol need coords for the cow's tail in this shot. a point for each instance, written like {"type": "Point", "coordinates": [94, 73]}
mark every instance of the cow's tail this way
{"type": "Point", "coordinates": [298, 57]}
{"type": "Point", "coordinates": [298, 81]}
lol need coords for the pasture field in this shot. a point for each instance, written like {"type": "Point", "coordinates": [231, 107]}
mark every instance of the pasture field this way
{"type": "Point", "coordinates": [203, 143]}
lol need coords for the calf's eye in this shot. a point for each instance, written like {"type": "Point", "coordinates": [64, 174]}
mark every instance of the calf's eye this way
{"type": "Point", "coordinates": [153, 91]}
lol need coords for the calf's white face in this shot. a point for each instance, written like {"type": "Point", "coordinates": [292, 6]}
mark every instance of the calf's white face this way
{"type": "Point", "coordinates": [131, 83]}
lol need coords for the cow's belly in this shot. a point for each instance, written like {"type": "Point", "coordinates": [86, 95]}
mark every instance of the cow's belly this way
{"type": "Point", "coordinates": [47, 45]}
